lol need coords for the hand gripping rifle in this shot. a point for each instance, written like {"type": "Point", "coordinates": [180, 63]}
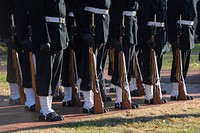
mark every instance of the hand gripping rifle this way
{"type": "Point", "coordinates": [16, 64]}
{"type": "Point", "coordinates": [179, 71]}
{"type": "Point", "coordinates": [94, 82]}
{"type": "Point", "coordinates": [154, 69]}
{"type": "Point", "coordinates": [33, 71]}
{"type": "Point", "coordinates": [138, 76]}
{"type": "Point", "coordinates": [123, 81]}
{"type": "Point", "coordinates": [73, 69]}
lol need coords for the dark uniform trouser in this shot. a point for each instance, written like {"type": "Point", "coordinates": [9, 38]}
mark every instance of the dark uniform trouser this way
{"type": "Point", "coordinates": [146, 70]}
{"type": "Point", "coordinates": [100, 38]}
{"type": "Point", "coordinates": [48, 69]}
{"type": "Point", "coordinates": [25, 68]}
{"type": "Point", "coordinates": [185, 64]}
{"type": "Point", "coordinates": [65, 70]}
{"type": "Point", "coordinates": [11, 78]}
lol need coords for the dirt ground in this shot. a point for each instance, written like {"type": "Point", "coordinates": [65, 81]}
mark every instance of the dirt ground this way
{"type": "Point", "coordinates": [13, 118]}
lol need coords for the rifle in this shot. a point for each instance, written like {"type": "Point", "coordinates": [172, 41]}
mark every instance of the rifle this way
{"type": "Point", "coordinates": [154, 69]}
{"type": "Point", "coordinates": [123, 81]}
{"type": "Point", "coordinates": [112, 58]}
{"type": "Point", "coordinates": [179, 71]}
{"type": "Point", "coordinates": [138, 76]}
{"type": "Point", "coordinates": [16, 64]}
{"type": "Point", "coordinates": [33, 72]}
{"type": "Point", "coordinates": [72, 69]}
{"type": "Point", "coordinates": [94, 82]}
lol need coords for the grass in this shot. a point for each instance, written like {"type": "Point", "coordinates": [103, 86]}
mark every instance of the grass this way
{"type": "Point", "coordinates": [3, 84]}
{"type": "Point", "coordinates": [181, 117]}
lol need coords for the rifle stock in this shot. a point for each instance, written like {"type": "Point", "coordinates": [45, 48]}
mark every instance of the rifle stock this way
{"type": "Point", "coordinates": [98, 104]}
{"type": "Point", "coordinates": [181, 90]}
{"type": "Point", "coordinates": [155, 78]}
{"type": "Point", "coordinates": [16, 63]}
{"type": "Point", "coordinates": [126, 103]}
{"type": "Point", "coordinates": [154, 68]}
{"type": "Point", "coordinates": [75, 98]}
{"type": "Point", "coordinates": [138, 77]}
{"type": "Point", "coordinates": [112, 53]}
{"type": "Point", "coordinates": [18, 78]}
{"type": "Point", "coordinates": [33, 80]}
{"type": "Point", "coordinates": [179, 71]}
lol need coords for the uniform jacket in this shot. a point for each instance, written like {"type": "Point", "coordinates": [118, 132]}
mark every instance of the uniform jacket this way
{"type": "Point", "coordinates": [5, 21]}
{"type": "Point", "coordinates": [148, 9]}
{"type": "Point", "coordinates": [20, 11]}
{"type": "Point", "coordinates": [47, 32]}
{"type": "Point", "coordinates": [186, 9]}
{"type": "Point", "coordinates": [79, 12]}
{"type": "Point", "coordinates": [198, 20]}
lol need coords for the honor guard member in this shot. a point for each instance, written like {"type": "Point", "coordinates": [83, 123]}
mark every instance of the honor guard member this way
{"type": "Point", "coordinates": [119, 8]}
{"type": "Point", "coordinates": [6, 8]}
{"type": "Point", "coordinates": [49, 37]}
{"type": "Point", "coordinates": [184, 10]}
{"type": "Point", "coordinates": [67, 100]}
{"type": "Point", "coordinates": [198, 24]}
{"type": "Point", "coordinates": [73, 45]}
{"type": "Point", "coordinates": [152, 14]}
{"type": "Point", "coordinates": [130, 40]}
{"type": "Point", "coordinates": [83, 14]}
{"type": "Point", "coordinates": [21, 19]}
{"type": "Point", "coordinates": [198, 20]}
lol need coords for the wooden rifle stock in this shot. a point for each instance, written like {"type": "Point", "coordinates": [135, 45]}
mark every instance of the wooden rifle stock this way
{"type": "Point", "coordinates": [138, 77]}
{"type": "Point", "coordinates": [112, 58]}
{"type": "Point", "coordinates": [154, 69]}
{"type": "Point", "coordinates": [33, 80]}
{"type": "Point", "coordinates": [126, 103]}
{"type": "Point", "coordinates": [98, 104]}
{"type": "Point", "coordinates": [179, 71]}
{"type": "Point", "coordinates": [18, 78]}
{"type": "Point", "coordinates": [33, 73]}
{"type": "Point", "coordinates": [16, 64]}
{"type": "Point", "coordinates": [75, 98]}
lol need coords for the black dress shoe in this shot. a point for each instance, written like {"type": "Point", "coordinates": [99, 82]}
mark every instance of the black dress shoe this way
{"type": "Point", "coordinates": [91, 110]}
{"type": "Point", "coordinates": [67, 104]}
{"type": "Point", "coordinates": [14, 102]}
{"type": "Point", "coordinates": [112, 90]}
{"type": "Point", "coordinates": [175, 98]}
{"type": "Point", "coordinates": [31, 108]}
{"type": "Point", "coordinates": [163, 92]}
{"type": "Point", "coordinates": [108, 99]}
{"type": "Point", "coordinates": [134, 93]}
{"type": "Point", "coordinates": [51, 117]}
{"type": "Point", "coordinates": [163, 101]}
{"type": "Point", "coordinates": [118, 105]}
{"type": "Point", "coordinates": [134, 105]}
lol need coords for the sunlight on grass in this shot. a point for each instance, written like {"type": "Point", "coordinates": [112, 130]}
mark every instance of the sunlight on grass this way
{"type": "Point", "coordinates": [176, 117]}
{"type": "Point", "coordinates": [3, 84]}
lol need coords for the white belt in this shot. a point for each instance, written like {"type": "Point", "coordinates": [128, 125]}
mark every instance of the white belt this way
{"type": "Point", "coordinates": [185, 22]}
{"type": "Point", "coordinates": [96, 10]}
{"type": "Point", "coordinates": [71, 14]}
{"type": "Point", "coordinates": [55, 20]}
{"type": "Point", "coordinates": [157, 24]}
{"type": "Point", "coordinates": [129, 13]}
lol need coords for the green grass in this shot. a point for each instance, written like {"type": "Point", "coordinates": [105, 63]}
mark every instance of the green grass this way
{"type": "Point", "coordinates": [3, 84]}
{"type": "Point", "coordinates": [3, 60]}
{"type": "Point", "coordinates": [175, 118]}
{"type": "Point", "coordinates": [3, 49]}
{"type": "Point", "coordinates": [196, 48]}
{"type": "Point", "coordinates": [167, 62]}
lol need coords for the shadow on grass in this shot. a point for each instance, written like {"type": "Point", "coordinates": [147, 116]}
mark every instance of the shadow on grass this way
{"type": "Point", "coordinates": [111, 122]}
